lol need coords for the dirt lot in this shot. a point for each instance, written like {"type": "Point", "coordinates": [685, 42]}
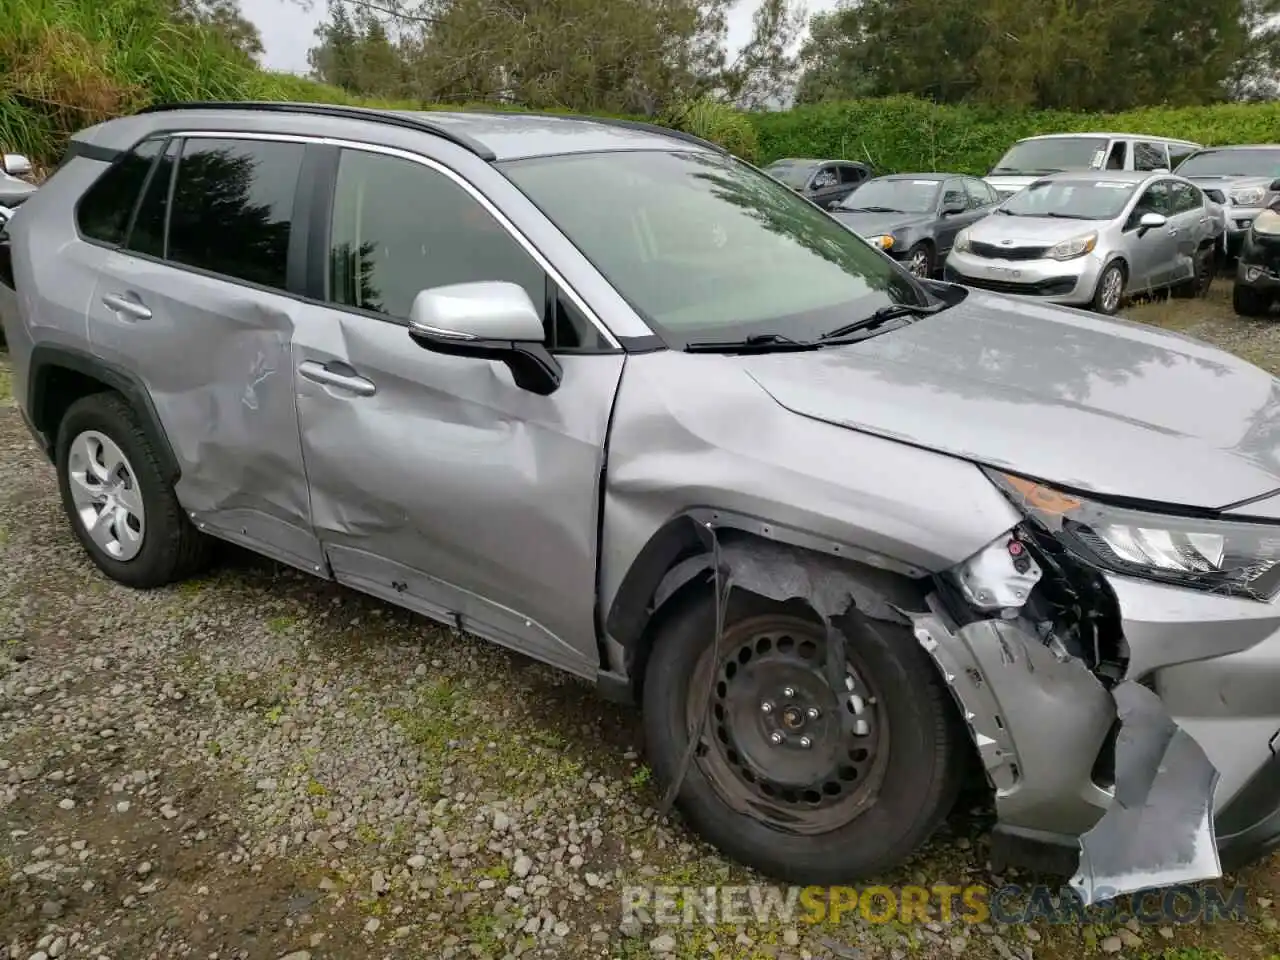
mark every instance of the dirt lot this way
{"type": "Point", "coordinates": [259, 765]}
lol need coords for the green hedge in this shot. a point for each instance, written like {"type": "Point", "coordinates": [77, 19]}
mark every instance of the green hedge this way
{"type": "Point", "coordinates": [905, 134]}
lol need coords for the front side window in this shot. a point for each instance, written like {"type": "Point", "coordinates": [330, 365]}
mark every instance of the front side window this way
{"type": "Point", "coordinates": [104, 210]}
{"type": "Point", "coordinates": [400, 228]}
{"type": "Point", "coordinates": [1157, 198]}
{"type": "Point", "coordinates": [1099, 199]}
{"type": "Point", "coordinates": [1052, 155]}
{"type": "Point", "coordinates": [979, 194]}
{"type": "Point", "coordinates": [1241, 162]}
{"type": "Point", "coordinates": [852, 174]}
{"type": "Point", "coordinates": [954, 197]}
{"type": "Point", "coordinates": [824, 178]}
{"type": "Point", "coordinates": [705, 248]}
{"type": "Point", "coordinates": [894, 196]}
{"type": "Point", "coordinates": [232, 208]}
{"type": "Point", "coordinates": [1186, 198]}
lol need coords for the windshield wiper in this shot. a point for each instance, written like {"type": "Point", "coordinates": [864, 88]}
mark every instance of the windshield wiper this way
{"type": "Point", "coordinates": [756, 343]}
{"type": "Point", "coordinates": [872, 209]}
{"type": "Point", "coordinates": [1065, 216]}
{"type": "Point", "coordinates": [890, 312]}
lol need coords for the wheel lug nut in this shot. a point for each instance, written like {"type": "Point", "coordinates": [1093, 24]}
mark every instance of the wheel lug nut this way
{"type": "Point", "coordinates": [812, 713]}
{"type": "Point", "coordinates": [776, 738]}
{"type": "Point", "coordinates": [806, 743]}
{"type": "Point", "coordinates": [766, 707]}
{"type": "Point", "coordinates": [788, 692]}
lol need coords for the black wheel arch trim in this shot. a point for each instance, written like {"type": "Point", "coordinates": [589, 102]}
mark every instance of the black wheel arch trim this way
{"type": "Point", "coordinates": [47, 359]}
{"type": "Point", "coordinates": [676, 555]}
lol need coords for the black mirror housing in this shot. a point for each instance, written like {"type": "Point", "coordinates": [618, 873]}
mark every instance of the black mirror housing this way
{"type": "Point", "coordinates": [532, 365]}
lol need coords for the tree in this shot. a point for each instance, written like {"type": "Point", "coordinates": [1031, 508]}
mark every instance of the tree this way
{"type": "Point", "coordinates": [356, 53]}
{"type": "Point", "coordinates": [1064, 54]}
{"type": "Point", "coordinates": [225, 18]}
{"type": "Point", "coordinates": [764, 73]}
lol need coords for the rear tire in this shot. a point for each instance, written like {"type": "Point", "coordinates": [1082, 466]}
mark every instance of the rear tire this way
{"type": "Point", "coordinates": [121, 507]}
{"type": "Point", "coordinates": [1250, 301]}
{"type": "Point", "coordinates": [871, 809]}
{"type": "Point", "coordinates": [1109, 293]}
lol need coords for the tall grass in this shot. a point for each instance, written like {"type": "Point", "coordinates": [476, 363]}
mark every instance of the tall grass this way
{"type": "Point", "coordinates": [67, 64]}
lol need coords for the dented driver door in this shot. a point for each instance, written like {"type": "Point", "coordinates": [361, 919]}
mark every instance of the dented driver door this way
{"type": "Point", "coordinates": [436, 482]}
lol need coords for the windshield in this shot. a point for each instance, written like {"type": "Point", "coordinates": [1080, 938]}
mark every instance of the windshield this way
{"type": "Point", "coordinates": [1232, 163]}
{"type": "Point", "coordinates": [794, 173]}
{"type": "Point", "coordinates": [705, 248]}
{"type": "Point", "coordinates": [1053, 155]}
{"type": "Point", "coordinates": [893, 196]}
{"type": "Point", "coordinates": [1073, 199]}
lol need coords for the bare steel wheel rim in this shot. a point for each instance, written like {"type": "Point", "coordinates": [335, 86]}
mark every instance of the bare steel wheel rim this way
{"type": "Point", "coordinates": [919, 264]}
{"type": "Point", "coordinates": [1112, 281]}
{"type": "Point", "coordinates": [104, 489]}
{"type": "Point", "coordinates": [780, 745]}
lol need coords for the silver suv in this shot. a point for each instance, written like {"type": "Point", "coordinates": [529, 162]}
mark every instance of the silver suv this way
{"type": "Point", "coordinates": [605, 395]}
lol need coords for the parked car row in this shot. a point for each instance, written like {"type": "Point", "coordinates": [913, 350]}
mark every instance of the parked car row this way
{"type": "Point", "coordinates": [1079, 219]}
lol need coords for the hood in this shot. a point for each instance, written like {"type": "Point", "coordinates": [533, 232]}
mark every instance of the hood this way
{"type": "Point", "coordinates": [875, 224]}
{"type": "Point", "coordinates": [1003, 230]}
{"type": "Point", "coordinates": [1104, 406]}
{"type": "Point", "coordinates": [1228, 185]}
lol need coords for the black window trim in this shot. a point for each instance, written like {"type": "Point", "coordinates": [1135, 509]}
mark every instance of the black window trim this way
{"type": "Point", "coordinates": [114, 159]}
{"type": "Point", "coordinates": [321, 222]}
{"type": "Point", "coordinates": [142, 195]}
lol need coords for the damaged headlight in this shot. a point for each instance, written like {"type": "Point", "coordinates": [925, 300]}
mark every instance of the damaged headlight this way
{"type": "Point", "coordinates": [1222, 556]}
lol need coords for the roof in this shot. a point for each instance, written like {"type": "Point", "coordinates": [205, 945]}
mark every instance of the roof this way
{"type": "Point", "coordinates": [925, 176]}
{"type": "Point", "coordinates": [491, 135]}
{"type": "Point", "coordinates": [1111, 136]}
{"type": "Point", "coordinates": [812, 161]}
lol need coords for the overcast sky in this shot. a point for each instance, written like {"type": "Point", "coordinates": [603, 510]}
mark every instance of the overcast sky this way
{"type": "Point", "coordinates": [288, 30]}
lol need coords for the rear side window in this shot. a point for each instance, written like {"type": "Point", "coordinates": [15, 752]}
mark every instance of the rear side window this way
{"type": "Point", "coordinates": [232, 207]}
{"type": "Point", "coordinates": [1149, 156]}
{"type": "Point", "coordinates": [104, 210]}
{"type": "Point", "coordinates": [147, 235]}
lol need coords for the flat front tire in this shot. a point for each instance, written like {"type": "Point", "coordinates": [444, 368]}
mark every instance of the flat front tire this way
{"type": "Point", "coordinates": [804, 783]}
{"type": "Point", "coordinates": [121, 507]}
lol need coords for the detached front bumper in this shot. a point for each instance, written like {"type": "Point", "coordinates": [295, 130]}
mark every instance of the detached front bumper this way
{"type": "Point", "coordinates": [1258, 275]}
{"type": "Point", "coordinates": [1239, 220]}
{"type": "Point", "coordinates": [1179, 783]}
{"type": "Point", "coordinates": [1052, 281]}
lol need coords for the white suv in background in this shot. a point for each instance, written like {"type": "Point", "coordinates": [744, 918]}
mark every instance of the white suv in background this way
{"type": "Point", "coordinates": [1034, 157]}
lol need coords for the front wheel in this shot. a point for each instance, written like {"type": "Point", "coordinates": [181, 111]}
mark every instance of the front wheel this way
{"type": "Point", "coordinates": [1250, 301]}
{"type": "Point", "coordinates": [919, 261]}
{"type": "Point", "coordinates": [1109, 292]}
{"type": "Point", "coordinates": [803, 782]}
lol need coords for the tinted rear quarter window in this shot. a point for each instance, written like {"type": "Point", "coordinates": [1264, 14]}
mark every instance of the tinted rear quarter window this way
{"type": "Point", "coordinates": [104, 210]}
{"type": "Point", "coordinates": [232, 207]}
{"type": "Point", "coordinates": [147, 233]}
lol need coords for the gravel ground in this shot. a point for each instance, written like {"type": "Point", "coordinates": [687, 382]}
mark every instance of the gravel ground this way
{"type": "Point", "coordinates": [261, 765]}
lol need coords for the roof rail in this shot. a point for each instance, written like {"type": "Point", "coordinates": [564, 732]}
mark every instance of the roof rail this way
{"type": "Point", "coordinates": [654, 128]}
{"type": "Point", "coordinates": [393, 117]}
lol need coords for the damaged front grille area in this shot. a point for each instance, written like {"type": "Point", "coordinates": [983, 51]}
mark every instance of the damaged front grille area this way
{"type": "Point", "coordinates": [1029, 638]}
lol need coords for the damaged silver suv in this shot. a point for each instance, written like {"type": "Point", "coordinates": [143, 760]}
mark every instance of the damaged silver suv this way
{"type": "Point", "coordinates": [605, 395]}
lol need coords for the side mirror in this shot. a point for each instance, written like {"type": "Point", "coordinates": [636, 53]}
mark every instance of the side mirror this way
{"type": "Point", "coordinates": [491, 320]}
{"type": "Point", "coordinates": [1152, 221]}
{"type": "Point", "coordinates": [16, 165]}
{"type": "Point", "coordinates": [951, 209]}
{"type": "Point", "coordinates": [1275, 186]}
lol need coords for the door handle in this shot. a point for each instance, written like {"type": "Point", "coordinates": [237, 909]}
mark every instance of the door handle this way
{"type": "Point", "coordinates": [1173, 232]}
{"type": "Point", "coordinates": [127, 306]}
{"type": "Point", "coordinates": [351, 382]}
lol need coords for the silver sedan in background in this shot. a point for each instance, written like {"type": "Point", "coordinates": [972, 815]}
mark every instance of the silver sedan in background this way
{"type": "Point", "coordinates": [1091, 239]}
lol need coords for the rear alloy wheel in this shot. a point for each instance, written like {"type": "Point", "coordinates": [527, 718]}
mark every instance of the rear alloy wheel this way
{"type": "Point", "coordinates": [799, 780]}
{"type": "Point", "coordinates": [919, 261]}
{"type": "Point", "coordinates": [1110, 290]}
{"type": "Point", "coordinates": [1250, 301]}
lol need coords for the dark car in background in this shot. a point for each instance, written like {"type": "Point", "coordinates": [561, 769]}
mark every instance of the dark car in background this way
{"type": "Point", "coordinates": [825, 182]}
{"type": "Point", "coordinates": [914, 217]}
{"type": "Point", "coordinates": [1257, 284]}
